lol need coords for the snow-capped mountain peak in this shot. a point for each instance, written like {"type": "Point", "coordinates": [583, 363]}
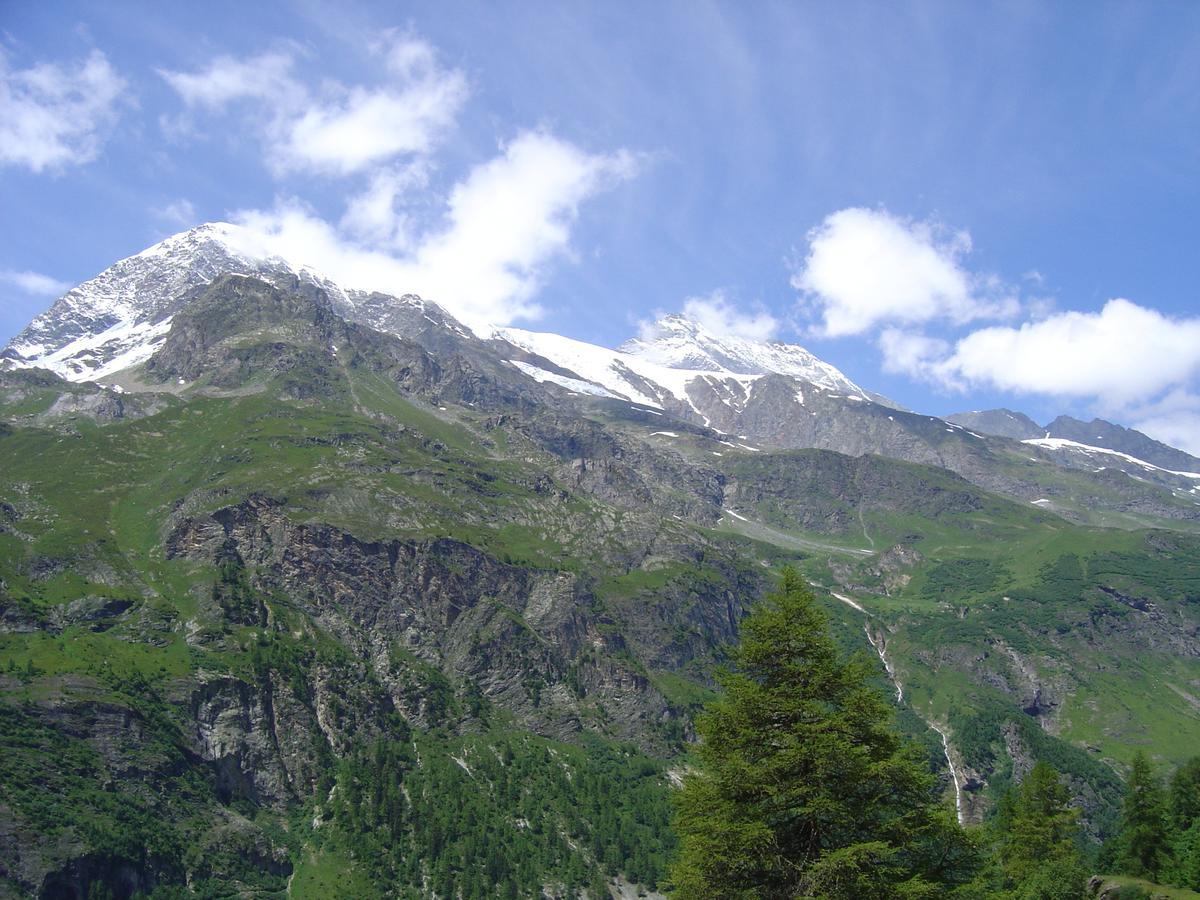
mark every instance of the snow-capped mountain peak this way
{"type": "Point", "coordinates": [679, 365]}
{"type": "Point", "coordinates": [680, 343]}
{"type": "Point", "coordinates": [116, 319]}
{"type": "Point", "coordinates": [120, 318]}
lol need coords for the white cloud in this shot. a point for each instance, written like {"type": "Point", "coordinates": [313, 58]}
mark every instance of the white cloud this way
{"type": "Point", "coordinates": [867, 268]}
{"type": "Point", "coordinates": [52, 116]}
{"type": "Point", "coordinates": [720, 316]}
{"type": "Point", "coordinates": [1174, 420]}
{"type": "Point", "coordinates": [503, 223]}
{"type": "Point", "coordinates": [1122, 354]}
{"type": "Point", "coordinates": [34, 283]}
{"type": "Point", "coordinates": [375, 216]}
{"type": "Point", "coordinates": [910, 353]}
{"type": "Point", "coordinates": [179, 212]}
{"type": "Point", "coordinates": [1125, 361]}
{"type": "Point", "coordinates": [342, 129]}
{"type": "Point", "coordinates": [366, 126]}
{"type": "Point", "coordinates": [406, 55]}
{"type": "Point", "coordinates": [226, 80]}
{"type": "Point", "coordinates": [506, 221]}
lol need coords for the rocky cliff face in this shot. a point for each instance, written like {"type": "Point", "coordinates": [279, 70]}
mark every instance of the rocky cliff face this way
{"type": "Point", "coordinates": [533, 642]}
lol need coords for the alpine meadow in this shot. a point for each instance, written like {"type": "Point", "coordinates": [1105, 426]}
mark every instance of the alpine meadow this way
{"type": "Point", "coordinates": [520, 450]}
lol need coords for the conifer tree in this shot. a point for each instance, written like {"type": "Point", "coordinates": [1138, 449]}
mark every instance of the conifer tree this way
{"type": "Point", "coordinates": [1185, 823]}
{"type": "Point", "coordinates": [803, 787]}
{"type": "Point", "coordinates": [1185, 795]}
{"type": "Point", "coordinates": [1039, 840]}
{"type": "Point", "coordinates": [1187, 855]}
{"type": "Point", "coordinates": [1144, 842]}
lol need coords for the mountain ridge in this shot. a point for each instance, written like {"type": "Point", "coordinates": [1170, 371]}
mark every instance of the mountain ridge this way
{"type": "Point", "coordinates": [770, 394]}
{"type": "Point", "coordinates": [118, 319]}
{"type": "Point", "coordinates": [1097, 434]}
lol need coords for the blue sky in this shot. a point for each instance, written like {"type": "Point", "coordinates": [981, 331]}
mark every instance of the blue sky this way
{"type": "Point", "coordinates": [961, 205]}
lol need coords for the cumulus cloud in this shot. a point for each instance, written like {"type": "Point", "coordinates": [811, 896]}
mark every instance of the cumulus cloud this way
{"type": "Point", "coordinates": [912, 353]}
{"type": "Point", "coordinates": [506, 220]}
{"type": "Point", "coordinates": [53, 116]}
{"type": "Point", "coordinates": [363, 126]}
{"type": "Point", "coordinates": [867, 267]}
{"type": "Point", "coordinates": [35, 284]}
{"type": "Point", "coordinates": [505, 223]}
{"type": "Point", "coordinates": [341, 129]}
{"type": "Point", "coordinates": [1119, 355]}
{"type": "Point", "coordinates": [722, 317]}
{"type": "Point", "coordinates": [376, 214]}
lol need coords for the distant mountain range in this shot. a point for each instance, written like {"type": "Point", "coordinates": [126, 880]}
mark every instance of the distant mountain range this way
{"type": "Point", "coordinates": [1072, 435]}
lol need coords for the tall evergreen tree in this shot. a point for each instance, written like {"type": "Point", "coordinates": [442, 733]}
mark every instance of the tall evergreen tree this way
{"type": "Point", "coordinates": [1185, 822]}
{"type": "Point", "coordinates": [803, 787]}
{"type": "Point", "coordinates": [1187, 858]}
{"type": "Point", "coordinates": [1144, 843]}
{"type": "Point", "coordinates": [1185, 795]}
{"type": "Point", "coordinates": [1039, 840]}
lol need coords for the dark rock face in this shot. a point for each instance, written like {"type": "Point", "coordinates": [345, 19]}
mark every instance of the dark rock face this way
{"type": "Point", "coordinates": [236, 325]}
{"type": "Point", "coordinates": [626, 473]}
{"type": "Point", "coordinates": [826, 492]}
{"type": "Point", "coordinates": [240, 331]}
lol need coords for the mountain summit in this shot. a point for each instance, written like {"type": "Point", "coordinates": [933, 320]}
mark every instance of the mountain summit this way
{"type": "Point", "coordinates": [677, 342]}
{"type": "Point", "coordinates": [121, 317]}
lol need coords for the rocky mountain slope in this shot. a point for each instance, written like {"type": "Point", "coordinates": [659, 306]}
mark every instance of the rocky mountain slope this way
{"type": "Point", "coordinates": [1099, 433]}
{"type": "Point", "coordinates": [272, 594]}
{"type": "Point", "coordinates": [999, 422]}
{"type": "Point", "coordinates": [1096, 434]}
